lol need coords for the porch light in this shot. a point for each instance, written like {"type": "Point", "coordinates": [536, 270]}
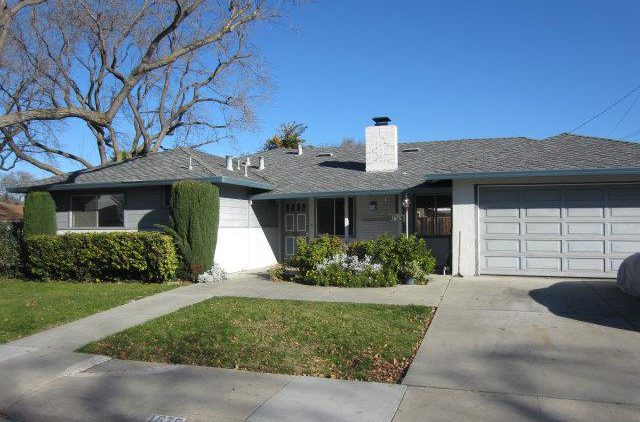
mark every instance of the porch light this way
{"type": "Point", "coordinates": [406, 202]}
{"type": "Point", "coordinates": [373, 206]}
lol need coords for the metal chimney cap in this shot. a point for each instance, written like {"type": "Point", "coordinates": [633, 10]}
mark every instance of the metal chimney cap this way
{"type": "Point", "coordinates": [381, 121]}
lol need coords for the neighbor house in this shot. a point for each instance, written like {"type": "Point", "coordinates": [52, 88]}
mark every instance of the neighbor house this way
{"type": "Point", "coordinates": [567, 205]}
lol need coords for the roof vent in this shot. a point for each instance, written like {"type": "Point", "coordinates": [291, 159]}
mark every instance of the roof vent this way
{"type": "Point", "coordinates": [411, 150]}
{"type": "Point", "coordinates": [260, 163]}
{"type": "Point", "coordinates": [381, 121]}
{"type": "Point", "coordinates": [325, 154]}
{"type": "Point", "coordinates": [229, 163]}
{"type": "Point", "coordinates": [299, 149]}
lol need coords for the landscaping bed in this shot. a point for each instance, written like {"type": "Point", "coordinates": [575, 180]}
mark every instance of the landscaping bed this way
{"type": "Point", "coordinates": [337, 340]}
{"type": "Point", "coordinates": [27, 307]}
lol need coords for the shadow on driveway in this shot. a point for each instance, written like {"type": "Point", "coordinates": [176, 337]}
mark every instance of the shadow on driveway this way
{"type": "Point", "coordinates": [593, 301]}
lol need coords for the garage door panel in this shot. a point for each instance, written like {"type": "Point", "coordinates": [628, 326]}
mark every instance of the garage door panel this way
{"type": "Point", "coordinates": [543, 246]}
{"type": "Point", "coordinates": [577, 246]}
{"type": "Point", "coordinates": [502, 245]}
{"type": "Point", "coordinates": [543, 263]}
{"type": "Point", "coordinates": [502, 262]}
{"type": "Point", "coordinates": [584, 210]}
{"type": "Point", "coordinates": [625, 246]}
{"type": "Point", "coordinates": [542, 195]}
{"type": "Point", "coordinates": [585, 264]}
{"type": "Point", "coordinates": [497, 211]}
{"type": "Point", "coordinates": [541, 211]}
{"type": "Point", "coordinates": [583, 231]}
{"type": "Point", "coordinates": [620, 210]}
{"type": "Point", "coordinates": [542, 228]}
{"type": "Point", "coordinates": [621, 193]}
{"type": "Point", "coordinates": [502, 228]}
{"type": "Point", "coordinates": [584, 194]}
{"type": "Point", "coordinates": [625, 228]}
{"type": "Point", "coordinates": [585, 228]}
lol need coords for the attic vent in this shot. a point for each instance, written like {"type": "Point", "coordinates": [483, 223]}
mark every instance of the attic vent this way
{"type": "Point", "coordinates": [411, 150]}
{"type": "Point", "coordinates": [325, 154]}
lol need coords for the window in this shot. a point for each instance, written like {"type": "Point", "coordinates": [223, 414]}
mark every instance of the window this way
{"type": "Point", "coordinates": [330, 216]}
{"type": "Point", "coordinates": [89, 211]}
{"type": "Point", "coordinates": [166, 196]}
{"type": "Point", "coordinates": [433, 215]}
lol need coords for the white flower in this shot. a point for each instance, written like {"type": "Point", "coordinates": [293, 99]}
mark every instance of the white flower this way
{"type": "Point", "coordinates": [214, 275]}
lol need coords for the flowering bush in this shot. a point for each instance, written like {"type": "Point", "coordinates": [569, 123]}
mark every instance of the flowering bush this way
{"type": "Point", "coordinates": [383, 261]}
{"type": "Point", "coordinates": [213, 275]}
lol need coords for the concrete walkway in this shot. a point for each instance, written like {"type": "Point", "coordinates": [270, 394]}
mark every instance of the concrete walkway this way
{"type": "Point", "coordinates": [533, 349]}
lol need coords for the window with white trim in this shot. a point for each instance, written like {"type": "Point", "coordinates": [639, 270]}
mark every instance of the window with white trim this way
{"type": "Point", "coordinates": [97, 211]}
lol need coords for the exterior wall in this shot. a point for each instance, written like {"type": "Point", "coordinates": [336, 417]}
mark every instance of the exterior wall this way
{"type": "Point", "coordinates": [143, 209]}
{"type": "Point", "coordinates": [371, 223]}
{"type": "Point", "coordinates": [248, 234]}
{"type": "Point", "coordinates": [465, 213]}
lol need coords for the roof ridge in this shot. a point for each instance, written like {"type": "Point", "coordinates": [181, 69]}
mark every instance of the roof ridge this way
{"type": "Point", "coordinates": [577, 135]}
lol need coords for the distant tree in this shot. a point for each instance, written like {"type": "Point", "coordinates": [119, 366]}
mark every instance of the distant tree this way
{"type": "Point", "coordinates": [288, 136]}
{"type": "Point", "coordinates": [350, 142]}
{"type": "Point", "coordinates": [10, 179]}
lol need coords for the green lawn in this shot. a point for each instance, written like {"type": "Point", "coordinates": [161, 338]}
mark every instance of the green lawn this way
{"type": "Point", "coordinates": [28, 306]}
{"type": "Point", "coordinates": [339, 340]}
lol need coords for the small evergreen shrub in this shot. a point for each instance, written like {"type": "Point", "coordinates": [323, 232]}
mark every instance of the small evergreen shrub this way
{"type": "Point", "coordinates": [39, 214]}
{"type": "Point", "coordinates": [195, 212]}
{"type": "Point", "coordinates": [10, 249]}
{"type": "Point", "coordinates": [144, 256]}
{"type": "Point", "coordinates": [344, 270]}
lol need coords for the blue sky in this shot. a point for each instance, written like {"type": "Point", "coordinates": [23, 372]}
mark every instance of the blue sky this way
{"type": "Point", "coordinates": [449, 69]}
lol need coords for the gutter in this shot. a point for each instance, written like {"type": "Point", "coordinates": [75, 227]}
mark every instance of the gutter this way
{"type": "Point", "coordinates": [532, 173]}
{"type": "Point", "coordinates": [224, 180]}
{"type": "Point", "coordinates": [331, 194]}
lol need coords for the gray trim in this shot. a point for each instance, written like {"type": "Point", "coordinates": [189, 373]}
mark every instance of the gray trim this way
{"type": "Point", "coordinates": [138, 183]}
{"type": "Point", "coordinates": [531, 173]}
{"type": "Point", "coordinates": [332, 194]}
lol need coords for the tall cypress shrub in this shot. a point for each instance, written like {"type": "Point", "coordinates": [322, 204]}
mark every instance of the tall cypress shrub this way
{"type": "Point", "coordinates": [39, 214]}
{"type": "Point", "coordinates": [195, 208]}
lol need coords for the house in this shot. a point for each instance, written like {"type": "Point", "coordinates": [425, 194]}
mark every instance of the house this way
{"type": "Point", "coordinates": [567, 205]}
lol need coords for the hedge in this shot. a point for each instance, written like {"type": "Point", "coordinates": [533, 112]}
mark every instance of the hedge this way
{"type": "Point", "coordinates": [39, 214]}
{"type": "Point", "coordinates": [10, 249]}
{"type": "Point", "coordinates": [113, 256]}
{"type": "Point", "coordinates": [195, 208]}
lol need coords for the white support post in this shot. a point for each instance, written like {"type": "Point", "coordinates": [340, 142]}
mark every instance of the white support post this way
{"type": "Point", "coordinates": [346, 219]}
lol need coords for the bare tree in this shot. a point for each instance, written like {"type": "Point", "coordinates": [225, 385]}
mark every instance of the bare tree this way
{"type": "Point", "coordinates": [10, 179]}
{"type": "Point", "coordinates": [134, 71]}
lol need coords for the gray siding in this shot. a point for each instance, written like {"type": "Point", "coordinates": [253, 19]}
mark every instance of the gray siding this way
{"type": "Point", "coordinates": [143, 208]}
{"type": "Point", "coordinates": [370, 223]}
{"type": "Point", "coordinates": [234, 207]}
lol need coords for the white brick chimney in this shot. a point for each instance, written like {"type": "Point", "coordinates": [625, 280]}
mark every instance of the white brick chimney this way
{"type": "Point", "coordinates": [381, 142]}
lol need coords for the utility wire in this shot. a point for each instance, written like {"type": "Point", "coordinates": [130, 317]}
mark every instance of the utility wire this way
{"type": "Point", "coordinates": [606, 109]}
{"type": "Point", "coordinates": [624, 116]}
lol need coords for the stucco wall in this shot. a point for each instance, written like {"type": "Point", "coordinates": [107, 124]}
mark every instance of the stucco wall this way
{"type": "Point", "coordinates": [465, 213]}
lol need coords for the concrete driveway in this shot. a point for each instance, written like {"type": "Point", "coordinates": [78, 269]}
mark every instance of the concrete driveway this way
{"type": "Point", "coordinates": [503, 348]}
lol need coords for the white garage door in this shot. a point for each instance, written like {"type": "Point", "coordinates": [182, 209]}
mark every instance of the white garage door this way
{"type": "Point", "coordinates": [572, 230]}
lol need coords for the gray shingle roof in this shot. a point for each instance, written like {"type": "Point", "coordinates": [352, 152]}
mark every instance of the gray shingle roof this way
{"type": "Point", "coordinates": [164, 166]}
{"type": "Point", "coordinates": [344, 171]}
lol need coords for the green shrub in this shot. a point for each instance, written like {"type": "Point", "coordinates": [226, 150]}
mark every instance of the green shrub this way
{"type": "Point", "coordinates": [195, 212]}
{"type": "Point", "coordinates": [10, 249]}
{"type": "Point", "coordinates": [39, 214]}
{"type": "Point", "coordinates": [311, 253]}
{"type": "Point", "coordinates": [400, 257]}
{"type": "Point", "coordinates": [144, 256]}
